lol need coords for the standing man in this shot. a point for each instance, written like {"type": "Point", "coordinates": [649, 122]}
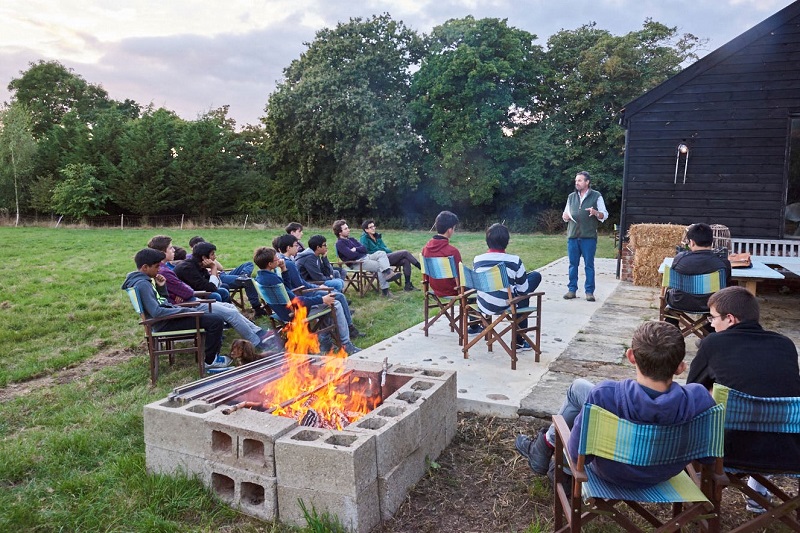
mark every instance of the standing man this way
{"type": "Point", "coordinates": [584, 212]}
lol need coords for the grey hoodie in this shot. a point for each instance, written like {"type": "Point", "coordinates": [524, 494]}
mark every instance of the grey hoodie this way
{"type": "Point", "coordinates": [152, 307]}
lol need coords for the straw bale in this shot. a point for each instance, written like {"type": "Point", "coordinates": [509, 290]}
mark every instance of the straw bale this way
{"type": "Point", "coordinates": [646, 262]}
{"type": "Point", "coordinates": [655, 235]}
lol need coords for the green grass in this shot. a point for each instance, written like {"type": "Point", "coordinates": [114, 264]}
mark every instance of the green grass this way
{"type": "Point", "coordinates": [73, 452]}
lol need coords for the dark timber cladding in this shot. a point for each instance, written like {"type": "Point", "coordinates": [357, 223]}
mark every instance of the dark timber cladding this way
{"type": "Point", "coordinates": [732, 109]}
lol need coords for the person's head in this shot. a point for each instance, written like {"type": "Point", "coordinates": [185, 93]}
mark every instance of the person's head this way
{"type": "Point", "coordinates": [287, 244]}
{"type": "Point", "coordinates": [264, 256]}
{"type": "Point", "coordinates": [658, 350]}
{"type": "Point", "coordinates": [194, 240]}
{"type": "Point", "coordinates": [204, 250]}
{"type": "Point", "coordinates": [582, 181]}
{"type": "Point", "coordinates": [275, 241]}
{"type": "Point", "coordinates": [163, 243]}
{"type": "Point", "coordinates": [497, 237]}
{"type": "Point", "coordinates": [148, 261]}
{"type": "Point", "coordinates": [730, 306]}
{"type": "Point", "coordinates": [318, 244]}
{"type": "Point", "coordinates": [446, 223]}
{"type": "Point", "coordinates": [701, 234]}
{"type": "Point", "coordinates": [368, 226]}
{"type": "Point", "coordinates": [180, 253]}
{"type": "Point", "coordinates": [296, 229]}
{"type": "Point", "coordinates": [341, 229]}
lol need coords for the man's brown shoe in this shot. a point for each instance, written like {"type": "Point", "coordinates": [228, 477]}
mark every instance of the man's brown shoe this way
{"type": "Point", "coordinates": [569, 296]}
{"type": "Point", "coordinates": [589, 297]}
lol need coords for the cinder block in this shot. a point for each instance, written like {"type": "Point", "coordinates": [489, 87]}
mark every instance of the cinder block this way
{"type": "Point", "coordinates": [396, 427]}
{"type": "Point", "coordinates": [434, 398]}
{"type": "Point", "coordinates": [170, 462]}
{"type": "Point", "coordinates": [246, 439]}
{"type": "Point", "coordinates": [254, 494]}
{"type": "Point", "coordinates": [336, 461]}
{"type": "Point", "coordinates": [172, 426]}
{"type": "Point", "coordinates": [360, 514]}
{"type": "Point", "coordinates": [434, 442]}
{"type": "Point", "coordinates": [427, 373]}
{"type": "Point", "coordinates": [394, 485]}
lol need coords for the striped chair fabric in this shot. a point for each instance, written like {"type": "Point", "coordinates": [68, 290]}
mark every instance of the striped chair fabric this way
{"type": "Point", "coordinates": [754, 413]}
{"type": "Point", "coordinates": [492, 279]}
{"type": "Point", "coordinates": [694, 283]}
{"type": "Point", "coordinates": [439, 267]}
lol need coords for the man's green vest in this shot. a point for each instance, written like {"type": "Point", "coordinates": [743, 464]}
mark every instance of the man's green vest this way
{"type": "Point", "coordinates": [583, 226]}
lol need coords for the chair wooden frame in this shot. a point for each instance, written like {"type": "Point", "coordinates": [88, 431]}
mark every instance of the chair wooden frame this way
{"type": "Point", "coordinates": [689, 322]}
{"type": "Point", "coordinates": [495, 327]}
{"type": "Point", "coordinates": [606, 435]}
{"type": "Point", "coordinates": [276, 295]}
{"type": "Point", "coordinates": [357, 278]}
{"type": "Point", "coordinates": [445, 306]}
{"type": "Point", "coordinates": [163, 342]}
{"type": "Point", "coordinates": [237, 297]}
{"type": "Point", "coordinates": [773, 415]}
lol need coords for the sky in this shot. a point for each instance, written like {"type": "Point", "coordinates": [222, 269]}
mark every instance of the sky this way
{"type": "Point", "coordinates": [191, 56]}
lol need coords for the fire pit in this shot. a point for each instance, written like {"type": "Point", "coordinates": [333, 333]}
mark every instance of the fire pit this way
{"type": "Point", "coordinates": [347, 437]}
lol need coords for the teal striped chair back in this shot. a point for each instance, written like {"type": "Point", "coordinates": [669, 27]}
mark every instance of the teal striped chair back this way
{"type": "Point", "coordinates": [439, 267]}
{"type": "Point", "coordinates": [274, 295]}
{"type": "Point", "coordinates": [492, 279]}
{"type": "Point", "coordinates": [694, 283]}
{"type": "Point", "coordinates": [136, 301]}
{"type": "Point", "coordinates": [753, 413]}
{"type": "Point", "coordinates": [604, 434]}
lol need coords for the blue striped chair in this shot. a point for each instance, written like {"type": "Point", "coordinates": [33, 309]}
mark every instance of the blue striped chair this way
{"type": "Point", "coordinates": [689, 322]}
{"type": "Point", "coordinates": [320, 319]}
{"type": "Point", "coordinates": [497, 326]}
{"type": "Point", "coordinates": [164, 342]}
{"type": "Point", "coordinates": [770, 415]}
{"type": "Point", "coordinates": [444, 306]}
{"type": "Point", "coordinates": [603, 434]}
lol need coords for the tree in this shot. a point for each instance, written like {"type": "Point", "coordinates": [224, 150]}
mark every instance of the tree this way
{"type": "Point", "coordinates": [475, 85]}
{"type": "Point", "coordinates": [50, 90]}
{"type": "Point", "coordinates": [591, 75]}
{"type": "Point", "coordinates": [17, 149]}
{"type": "Point", "coordinates": [80, 194]}
{"type": "Point", "coordinates": [337, 126]}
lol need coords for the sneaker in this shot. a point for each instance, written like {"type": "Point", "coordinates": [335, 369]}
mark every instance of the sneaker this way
{"type": "Point", "coordinates": [753, 506]}
{"type": "Point", "coordinates": [410, 287]}
{"type": "Point", "coordinates": [221, 361]}
{"type": "Point", "coordinates": [354, 333]}
{"type": "Point", "coordinates": [570, 295]}
{"type": "Point", "coordinates": [260, 312]}
{"type": "Point", "coordinates": [523, 346]}
{"type": "Point", "coordinates": [590, 297]}
{"type": "Point", "coordinates": [474, 329]}
{"type": "Point", "coordinates": [351, 348]}
{"type": "Point", "coordinates": [537, 451]}
{"type": "Point", "coordinates": [395, 277]}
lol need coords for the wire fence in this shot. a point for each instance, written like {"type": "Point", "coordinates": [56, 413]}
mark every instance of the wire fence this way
{"type": "Point", "coordinates": [123, 221]}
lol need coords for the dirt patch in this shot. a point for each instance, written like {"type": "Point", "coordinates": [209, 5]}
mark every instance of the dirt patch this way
{"type": "Point", "coordinates": [480, 483]}
{"type": "Point", "coordinates": [67, 375]}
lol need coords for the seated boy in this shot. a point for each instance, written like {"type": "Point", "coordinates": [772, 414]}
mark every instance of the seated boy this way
{"type": "Point", "coordinates": [657, 351]}
{"type": "Point", "coordinates": [314, 264]}
{"type": "Point", "coordinates": [154, 303]}
{"type": "Point", "coordinates": [494, 303]}
{"type": "Point", "coordinates": [267, 260]}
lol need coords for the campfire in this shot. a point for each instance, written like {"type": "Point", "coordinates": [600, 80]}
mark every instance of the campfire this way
{"type": "Point", "coordinates": [324, 396]}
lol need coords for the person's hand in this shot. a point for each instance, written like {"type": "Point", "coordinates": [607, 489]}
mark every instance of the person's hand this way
{"type": "Point", "coordinates": [160, 280]}
{"type": "Point", "coordinates": [282, 264]}
{"type": "Point", "coordinates": [565, 217]}
{"type": "Point", "coordinates": [328, 299]}
{"type": "Point", "coordinates": [592, 211]}
{"type": "Point", "coordinates": [178, 300]}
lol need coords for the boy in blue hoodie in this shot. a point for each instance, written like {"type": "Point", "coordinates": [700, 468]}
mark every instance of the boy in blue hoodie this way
{"type": "Point", "coordinates": [657, 351]}
{"type": "Point", "coordinates": [155, 303]}
{"type": "Point", "coordinates": [267, 260]}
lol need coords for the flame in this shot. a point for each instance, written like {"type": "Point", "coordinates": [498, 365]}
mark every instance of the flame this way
{"type": "Point", "coordinates": [327, 388]}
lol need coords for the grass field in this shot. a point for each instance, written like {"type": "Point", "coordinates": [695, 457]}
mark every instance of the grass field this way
{"type": "Point", "coordinates": [73, 450]}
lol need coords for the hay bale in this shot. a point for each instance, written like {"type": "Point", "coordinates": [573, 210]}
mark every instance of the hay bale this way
{"type": "Point", "coordinates": [645, 265]}
{"type": "Point", "coordinates": [655, 235]}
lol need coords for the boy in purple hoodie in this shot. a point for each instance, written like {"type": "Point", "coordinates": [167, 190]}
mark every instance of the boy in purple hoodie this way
{"type": "Point", "coordinates": [657, 351]}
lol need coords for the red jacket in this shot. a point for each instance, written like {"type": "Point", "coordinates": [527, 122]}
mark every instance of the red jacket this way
{"type": "Point", "coordinates": [440, 246]}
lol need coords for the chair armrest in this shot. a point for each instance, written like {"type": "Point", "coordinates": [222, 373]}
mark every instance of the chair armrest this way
{"type": "Point", "coordinates": [305, 290]}
{"type": "Point", "coordinates": [190, 314]}
{"type": "Point", "coordinates": [516, 299]}
{"type": "Point", "coordinates": [563, 433]}
{"type": "Point", "coordinates": [197, 303]}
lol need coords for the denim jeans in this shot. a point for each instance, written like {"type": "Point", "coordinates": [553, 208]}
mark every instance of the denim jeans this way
{"type": "Point", "coordinates": [585, 248]}
{"type": "Point", "coordinates": [577, 394]}
{"type": "Point", "coordinates": [240, 277]}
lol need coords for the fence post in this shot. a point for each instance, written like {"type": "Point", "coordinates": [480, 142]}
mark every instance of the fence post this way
{"type": "Point", "coordinates": [122, 221]}
{"type": "Point", "coordinates": [245, 222]}
{"type": "Point", "coordinates": [182, 221]}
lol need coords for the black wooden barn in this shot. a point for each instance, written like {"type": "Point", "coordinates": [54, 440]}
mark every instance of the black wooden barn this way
{"type": "Point", "coordinates": [720, 141]}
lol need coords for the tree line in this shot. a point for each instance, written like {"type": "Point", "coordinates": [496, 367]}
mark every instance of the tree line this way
{"type": "Point", "coordinates": [373, 119]}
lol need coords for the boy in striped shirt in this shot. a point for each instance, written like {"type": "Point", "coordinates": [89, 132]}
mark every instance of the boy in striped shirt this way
{"type": "Point", "coordinates": [494, 303]}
